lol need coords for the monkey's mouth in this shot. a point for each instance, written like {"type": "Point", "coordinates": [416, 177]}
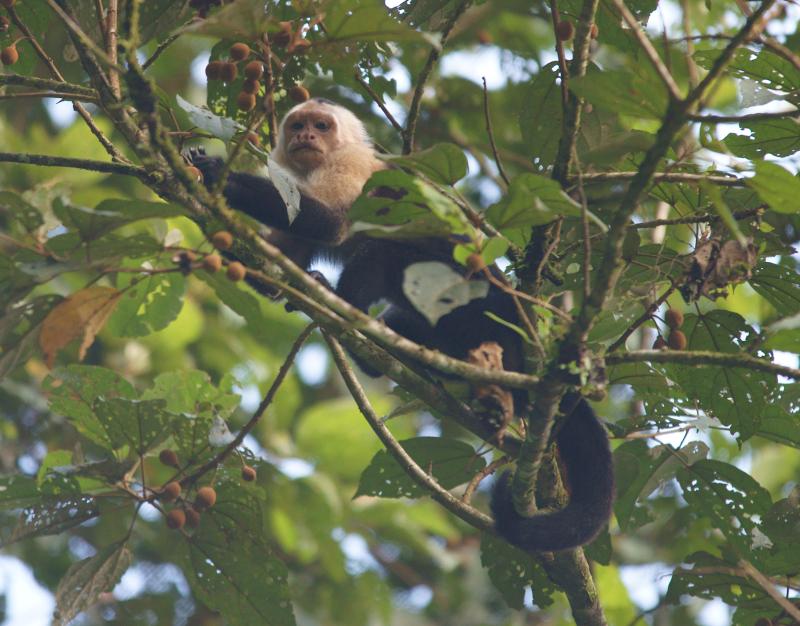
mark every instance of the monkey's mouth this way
{"type": "Point", "coordinates": [305, 146]}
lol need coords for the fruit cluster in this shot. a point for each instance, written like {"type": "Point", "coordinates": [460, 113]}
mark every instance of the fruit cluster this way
{"type": "Point", "coordinates": [212, 262]}
{"type": "Point", "coordinates": [185, 512]}
{"type": "Point", "coordinates": [677, 339]}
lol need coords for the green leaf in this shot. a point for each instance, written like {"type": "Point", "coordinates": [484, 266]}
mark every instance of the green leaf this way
{"type": "Point", "coordinates": [87, 580]}
{"type": "Point", "coordinates": [726, 496]}
{"type": "Point", "coordinates": [712, 577]}
{"type": "Point", "coordinates": [91, 224]}
{"type": "Point", "coordinates": [450, 461]}
{"type": "Point", "coordinates": [150, 303]}
{"type": "Point", "coordinates": [398, 205]}
{"type": "Point", "coordinates": [17, 209]}
{"type": "Point", "coordinates": [779, 285]}
{"type": "Point", "coordinates": [51, 515]}
{"type": "Point", "coordinates": [512, 571]}
{"type": "Point", "coordinates": [444, 163]}
{"type": "Point", "coordinates": [636, 91]}
{"type": "Point", "coordinates": [532, 200]}
{"type": "Point", "coordinates": [541, 115]}
{"type": "Point", "coordinates": [777, 187]}
{"type": "Point", "coordinates": [640, 470]}
{"type": "Point", "coordinates": [365, 22]}
{"type": "Point", "coordinates": [779, 137]}
{"type": "Point", "coordinates": [230, 566]}
{"type": "Point", "coordinates": [765, 67]}
{"type": "Point", "coordinates": [142, 424]}
{"type": "Point", "coordinates": [221, 127]}
{"type": "Point", "coordinates": [735, 395]}
{"type": "Point", "coordinates": [73, 391]}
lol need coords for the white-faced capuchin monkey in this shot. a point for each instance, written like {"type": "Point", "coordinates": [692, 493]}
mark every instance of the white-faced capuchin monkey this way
{"type": "Point", "coordinates": [329, 152]}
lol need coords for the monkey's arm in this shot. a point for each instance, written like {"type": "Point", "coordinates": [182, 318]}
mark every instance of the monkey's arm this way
{"type": "Point", "coordinates": [259, 198]}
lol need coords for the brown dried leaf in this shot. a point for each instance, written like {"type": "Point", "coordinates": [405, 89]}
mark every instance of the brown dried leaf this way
{"type": "Point", "coordinates": [84, 313]}
{"type": "Point", "coordinates": [715, 265]}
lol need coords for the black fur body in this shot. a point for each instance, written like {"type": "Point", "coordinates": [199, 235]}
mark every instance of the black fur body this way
{"type": "Point", "coordinates": [372, 270]}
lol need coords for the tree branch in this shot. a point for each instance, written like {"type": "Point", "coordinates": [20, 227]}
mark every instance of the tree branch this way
{"type": "Point", "coordinates": [701, 357]}
{"type": "Point", "coordinates": [469, 514]}
{"type": "Point", "coordinates": [83, 164]}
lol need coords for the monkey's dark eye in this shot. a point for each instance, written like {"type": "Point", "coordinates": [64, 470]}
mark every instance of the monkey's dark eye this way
{"type": "Point", "coordinates": [296, 126]}
{"type": "Point", "coordinates": [321, 126]}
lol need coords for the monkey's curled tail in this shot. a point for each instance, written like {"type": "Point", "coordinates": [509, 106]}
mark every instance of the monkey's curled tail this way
{"type": "Point", "coordinates": [584, 451]}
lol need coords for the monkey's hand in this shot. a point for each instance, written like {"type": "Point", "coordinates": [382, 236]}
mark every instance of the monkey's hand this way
{"type": "Point", "coordinates": [210, 167]}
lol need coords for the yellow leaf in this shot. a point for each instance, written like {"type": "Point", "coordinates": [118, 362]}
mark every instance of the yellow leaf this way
{"type": "Point", "coordinates": [84, 313]}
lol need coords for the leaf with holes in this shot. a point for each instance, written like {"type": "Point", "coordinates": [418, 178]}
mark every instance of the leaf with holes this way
{"type": "Point", "coordinates": [512, 571]}
{"type": "Point", "coordinates": [230, 565]}
{"type": "Point", "coordinates": [726, 496]}
{"type": "Point", "coordinates": [141, 424]}
{"type": "Point", "coordinates": [86, 580]}
{"type": "Point", "coordinates": [449, 461]}
{"type": "Point", "coordinates": [73, 391]}
{"type": "Point", "coordinates": [435, 289]}
{"type": "Point", "coordinates": [149, 304]}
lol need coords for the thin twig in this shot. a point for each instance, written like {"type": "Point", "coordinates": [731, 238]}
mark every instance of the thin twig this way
{"type": "Point", "coordinates": [467, 513]}
{"type": "Point", "coordinates": [490, 133]}
{"type": "Point", "coordinates": [171, 38]}
{"type": "Point", "coordinates": [649, 50]}
{"type": "Point", "coordinates": [785, 603]}
{"type": "Point", "coordinates": [665, 177]}
{"type": "Point", "coordinates": [422, 79]}
{"type": "Point", "coordinates": [562, 61]}
{"type": "Point", "coordinates": [379, 101]}
{"type": "Point", "coordinates": [490, 469]}
{"type": "Point", "coordinates": [288, 362]}
{"type": "Point", "coordinates": [644, 317]}
{"type": "Point", "coordinates": [112, 36]}
{"type": "Point", "coordinates": [698, 219]}
{"type": "Point", "coordinates": [47, 94]}
{"type": "Point", "coordinates": [48, 84]}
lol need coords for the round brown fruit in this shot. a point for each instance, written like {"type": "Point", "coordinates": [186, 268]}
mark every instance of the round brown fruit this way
{"type": "Point", "coordinates": [239, 51]}
{"type": "Point", "coordinates": [206, 497]}
{"type": "Point", "coordinates": [228, 73]}
{"type": "Point", "coordinates": [475, 263]}
{"type": "Point", "coordinates": [4, 23]}
{"type": "Point", "coordinates": [484, 37]}
{"type": "Point", "coordinates": [192, 518]}
{"type": "Point", "coordinates": [565, 30]}
{"type": "Point", "coordinates": [254, 139]}
{"type": "Point", "coordinates": [594, 31]}
{"type": "Point", "coordinates": [9, 55]}
{"type": "Point", "coordinates": [171, 491]}
{"type": "Point", "coordinates": [245, 101]}
{"type": "Point", "coordinates": [169, 458]}
{"type": "Point", "coordinates": [195, 173]}
{"type": "Point", "coordinates": [222, 240]}
{"type": "Point", "coordinates": [214, 70]}
{"type": "Point", "coordinates": [176, 519]}
{"type": "Point", "coordinates": [254, 70]}
{"type": "Point", "coordinates": [674, 318]}
{"type": "Point", "coordinates": [236, 271]}
{"type": "Point", "coordinates": [248, 473]}
{"type": "Point", "coordinates": [212, 263]}
{"type": "Point", "coordinates": [250, 86]}
{"type": "Point", "coordinates": [659, 343]}
{"type": "Point", "coordinates": [299, 94]}
{"type": "Point", "coordinates": [677, 340]}
{"type": "Point", "coordinates": [300, 46]}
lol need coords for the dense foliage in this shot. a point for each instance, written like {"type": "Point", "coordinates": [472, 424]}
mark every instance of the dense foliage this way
{"type": "Point", "coordinates": [163, 461]}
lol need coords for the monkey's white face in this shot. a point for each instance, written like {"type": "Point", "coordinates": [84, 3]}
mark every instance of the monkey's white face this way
{"type": "Point", "coordinates": [310, 134]}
